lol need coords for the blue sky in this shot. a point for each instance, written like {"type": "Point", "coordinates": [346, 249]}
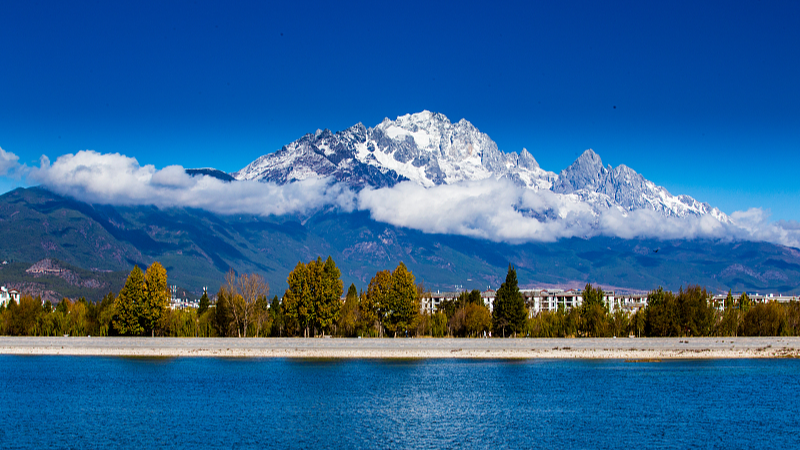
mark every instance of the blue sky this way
{"type": "Point", "coordinates": [700, 98]}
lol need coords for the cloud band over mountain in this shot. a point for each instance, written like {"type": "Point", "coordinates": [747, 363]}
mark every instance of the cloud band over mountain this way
{"type": "Point", "coordinates": [496, 210]}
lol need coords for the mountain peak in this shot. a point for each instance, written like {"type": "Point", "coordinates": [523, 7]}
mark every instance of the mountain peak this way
{"type": "Point", "coordinates": [428, 149]}
{"type": "Point", "coordinates": [586, 172]}
{"type": "Point", "coordinates": [589, 158]}
{"type": "Point", "coordinates": [526, 160]}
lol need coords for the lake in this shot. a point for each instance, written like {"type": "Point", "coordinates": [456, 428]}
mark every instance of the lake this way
{"type": "Point", "coordinates": [98, 402]}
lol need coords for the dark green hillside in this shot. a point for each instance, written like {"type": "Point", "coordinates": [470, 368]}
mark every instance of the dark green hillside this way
{"type": "Point", "coordinates": [73, 282]}
{"type": "Point", "coordinates": [198, 247]}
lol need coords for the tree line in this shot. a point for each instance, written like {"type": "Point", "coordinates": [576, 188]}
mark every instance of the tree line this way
{"type": "Point", "coordinates": [312, 306]}
{"type": "Point", "coordinates": [687, 313]}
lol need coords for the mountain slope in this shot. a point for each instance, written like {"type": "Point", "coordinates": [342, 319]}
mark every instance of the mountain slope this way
{"type": "Point", "coordinates": [198, 247]}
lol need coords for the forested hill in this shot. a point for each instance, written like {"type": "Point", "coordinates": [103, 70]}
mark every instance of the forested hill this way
{"type": "Point", "coordinates": [197, 248]}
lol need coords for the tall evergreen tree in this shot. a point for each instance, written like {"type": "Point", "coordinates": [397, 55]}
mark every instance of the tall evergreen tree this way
{"type": "Point", "coordinates": [744, 302]}
{"type": "Point", "coordinates": [204, 304]}
{"type": "Point", "coordinates": [509, 312]}
{"type": "Point", "coordinates": [348, 317]}
{"type": "Point", "coordinates": [222, 314]}
{"type": "Point", "coordinates": [594, 312]}
{"type": "Point", "coordinates": [129, 303]}
{"type": "Point", "coordinates": [328, 298]}
{"type": "Point", "coordinates": [276, 310]}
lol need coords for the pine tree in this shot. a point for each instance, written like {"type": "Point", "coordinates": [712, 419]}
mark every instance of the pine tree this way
{"type": "Point", "coordinates": [509, 312]}
{"type": "Point", "coordinates": [129, 303]}
{"type": "Point", "coordinates": [744, 302]}
{"type": "Point", "coordinates": [204, 304]}
{"type": "Point", "coordinates": [328, 295]}
{"type": "Point", "coordinates": [222, 314]}
{"type": "Point", "coordinates": [348, 317]}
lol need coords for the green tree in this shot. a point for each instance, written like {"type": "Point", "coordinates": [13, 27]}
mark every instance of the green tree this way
{"type": "Point", "coordinates": [448, 307]}
{"type": "Point", "coordinates": [376, 305]}
{"type": "Point", "coordinates": [21, 319]}
{"type": "Point", "coordinates": [477, 319]}
{"type": "Point", "coordinates": [728, 324]}
{"type": "Point", "coordinates": [472, 297]}
{"type": "Point", "coordinates": [661, 314]}
{"type": "Point", "coordinates": [764, 319]}
{"type": "Point", "coordinates": [263, 319]}
{"type": "Point", "coordinates": [729, 300]}
{"type": "Point", "coordinates": [156, 299]}
{"type": "Point", "coordinates": [620, 323]}
{"type": "Point", "coordinates": [744, 302]}
{"type": "Point", "coordinates": [403, 304]}
{"type": "Point", "coordinates": [349, 317]}
{"type": "Point", "coordinates": [509, 312]}
{"type": "Point", "coordinates": [129, 303]}
{"type": "Point", "coordinates": [638, 322]}
{"type": "Point", "coordinates": [298, 301]}
{"type": "Point", "coordinates": [313, 299]}
{"type": "Point", "coordinates": [204, 304]}
{"type": "Point", "coordinates": [105, 316]}
{"type": "Point", "coordinates": [276, 310]}
{"type": "Point", "coordinates": [438, 324]}
{"type": "Point", "coordinates": [222, 314]}
{"type": "Point", "coordinates": [594, 312]}
{"type": "Point", "coordinates": [328, 294]}
{"type": "Point", "coordinates": [696, 313]}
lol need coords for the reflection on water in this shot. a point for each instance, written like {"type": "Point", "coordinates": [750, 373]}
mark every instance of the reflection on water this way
{"type": "Point", "coordinates": [221, 403]}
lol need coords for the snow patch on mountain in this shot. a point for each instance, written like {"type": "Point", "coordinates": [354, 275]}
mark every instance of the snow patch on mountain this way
{"type": "Point", "coordinates": [429, 150]}
{"type": "Point", "coordinates": [425, 148]}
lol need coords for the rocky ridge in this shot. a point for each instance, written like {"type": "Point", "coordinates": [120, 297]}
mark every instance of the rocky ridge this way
{"type": "Point", "coordinates": [427, 149]}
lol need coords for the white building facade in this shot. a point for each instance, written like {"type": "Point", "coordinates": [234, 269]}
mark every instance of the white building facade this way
{"type": "Point", "coordinates": [7, 295]}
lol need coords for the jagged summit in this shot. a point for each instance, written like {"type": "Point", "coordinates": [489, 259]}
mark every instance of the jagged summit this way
{"type": "Point", "coordinates": [586, 172]}
{"type": "Point", "coordinates": [428, 149]}
{"type": "Point", "coordinates": [424, 147]}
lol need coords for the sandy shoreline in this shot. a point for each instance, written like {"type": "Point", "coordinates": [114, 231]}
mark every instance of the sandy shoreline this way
{"type": "Point", "coordinates": [628, 349]}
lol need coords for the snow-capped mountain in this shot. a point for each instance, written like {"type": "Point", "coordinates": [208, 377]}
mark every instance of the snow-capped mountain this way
{"type": "Point", "coordinates": [624, 188]}
{"type": "Point", "coordinates": [425, 148]}
{"type": "Point", "coordinates": [428, 149]}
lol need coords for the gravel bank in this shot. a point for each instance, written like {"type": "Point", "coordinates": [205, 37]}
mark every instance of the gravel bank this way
{"type": "Point", "coordinates": [624, 348]}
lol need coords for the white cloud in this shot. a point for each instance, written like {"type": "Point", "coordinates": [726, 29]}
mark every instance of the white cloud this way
{"type": "Point", "coordinates": [498, 210]}
{"type": "Point", "coordinates": [120, 180]}
{"type": "Point", "coordinates": [9, 162]}
{"type": "Point", "coordinates": [754, 225]}
{"type": "Point", "coordinates": [490, 209]}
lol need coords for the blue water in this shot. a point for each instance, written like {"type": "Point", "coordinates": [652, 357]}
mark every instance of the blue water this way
{"type": "Point", "coordinates": [93, 402]}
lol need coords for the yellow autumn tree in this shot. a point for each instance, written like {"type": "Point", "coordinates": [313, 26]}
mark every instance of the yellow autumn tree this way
{"type": "Point", "coordinates": [156, 299]}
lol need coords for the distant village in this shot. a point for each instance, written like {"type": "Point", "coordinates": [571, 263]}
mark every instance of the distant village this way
{"type": "Point", "coordinates": [536, 300]}
{"type": "Point", "coordinates": [550, 300]}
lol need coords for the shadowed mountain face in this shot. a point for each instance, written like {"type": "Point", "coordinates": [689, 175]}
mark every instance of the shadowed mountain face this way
{"type": "Point", "coordinates": [198, 247]}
